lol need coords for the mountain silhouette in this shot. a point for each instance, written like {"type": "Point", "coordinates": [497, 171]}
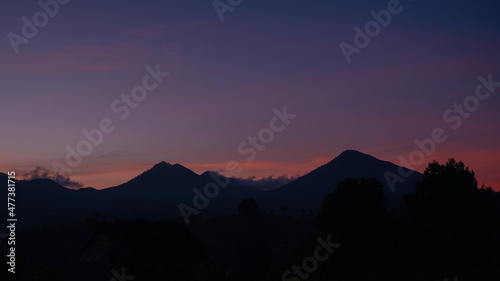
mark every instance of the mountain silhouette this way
{"type": "Point", "coordinates": [161, 176]}
{"type": "Point", "coordinates": [163, 182]}
{"type": "Point", "coordinates": [310, 189]}
{"type": "Point", "coordinates": [157, 192]}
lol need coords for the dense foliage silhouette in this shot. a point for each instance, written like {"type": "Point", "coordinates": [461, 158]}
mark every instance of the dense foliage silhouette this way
{"type": "Point", "coordinates": [448, 227]}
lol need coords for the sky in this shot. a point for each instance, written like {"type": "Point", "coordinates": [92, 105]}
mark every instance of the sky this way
{"type": "Point", "coordinates": [228, 78]}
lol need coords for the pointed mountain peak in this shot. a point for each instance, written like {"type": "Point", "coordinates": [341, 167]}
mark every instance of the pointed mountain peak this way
{"type": "Point", "coordinates": [162, 164]}
{"type": "Point", "coordinates": [352, 153]}
{"type": "Point", "coordinates": [353, 164]}
{"type": "Point", "coordinates": [160, 176]}
{"type": "Point", "coordinates": [164, 170]}
{"type": "Point", "coordinates": [166, 165]}
{"type": "Point", "coordinates": [353, 156]}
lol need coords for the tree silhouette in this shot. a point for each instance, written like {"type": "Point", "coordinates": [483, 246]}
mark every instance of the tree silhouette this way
{"type": "Point", "coordinates": [355, 215]}
{"type": "Point", "coordinates": [449, 217]}
{"type": "Point", "coordinates": [283, 210]}
{"type": "Point", "coordinates": [350, 203]}
{"type": "Point", "coordinates": [248, 207]}
{"type": "Point", "coordinates": [443, 180]}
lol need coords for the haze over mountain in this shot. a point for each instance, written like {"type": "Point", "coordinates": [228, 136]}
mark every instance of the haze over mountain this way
{"type": "Point", "coordinates": [157, 192]}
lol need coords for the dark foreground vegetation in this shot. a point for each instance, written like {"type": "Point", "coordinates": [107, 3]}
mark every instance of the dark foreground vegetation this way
{"type": "Point", "coordinates": [449, 229]}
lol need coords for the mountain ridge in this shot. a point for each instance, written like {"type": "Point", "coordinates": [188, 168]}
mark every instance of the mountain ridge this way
{"type": "Point", "coordinates": [157, 192]}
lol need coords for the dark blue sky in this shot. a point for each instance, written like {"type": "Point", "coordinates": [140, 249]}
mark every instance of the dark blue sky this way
{"type": "Point", "coordinates": [226, 78]}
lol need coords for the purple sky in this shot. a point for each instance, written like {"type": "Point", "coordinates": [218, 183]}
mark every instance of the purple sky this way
{"type": "Point", "coordinates": [226, 78]}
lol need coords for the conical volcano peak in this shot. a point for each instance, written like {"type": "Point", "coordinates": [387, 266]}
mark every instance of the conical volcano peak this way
{"type": "Point", "coordinates": [165, 168]}
{"type": "Point", "coordinates": [352, 153]}
{"type": "Point", "coordinates": [353, 156]}
{"type": "Point", "coordinates": [162, 164]}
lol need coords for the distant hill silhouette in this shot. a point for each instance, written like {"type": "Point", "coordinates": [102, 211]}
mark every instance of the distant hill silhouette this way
{"type": "Point", "coordinates": [157, 192]}
{"type": "Point", "coordinates": [360, 237]}
{"type": "Point", "coordinates": [162, 178]}
{"type": "Point", "coordinates": [310, 189]}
